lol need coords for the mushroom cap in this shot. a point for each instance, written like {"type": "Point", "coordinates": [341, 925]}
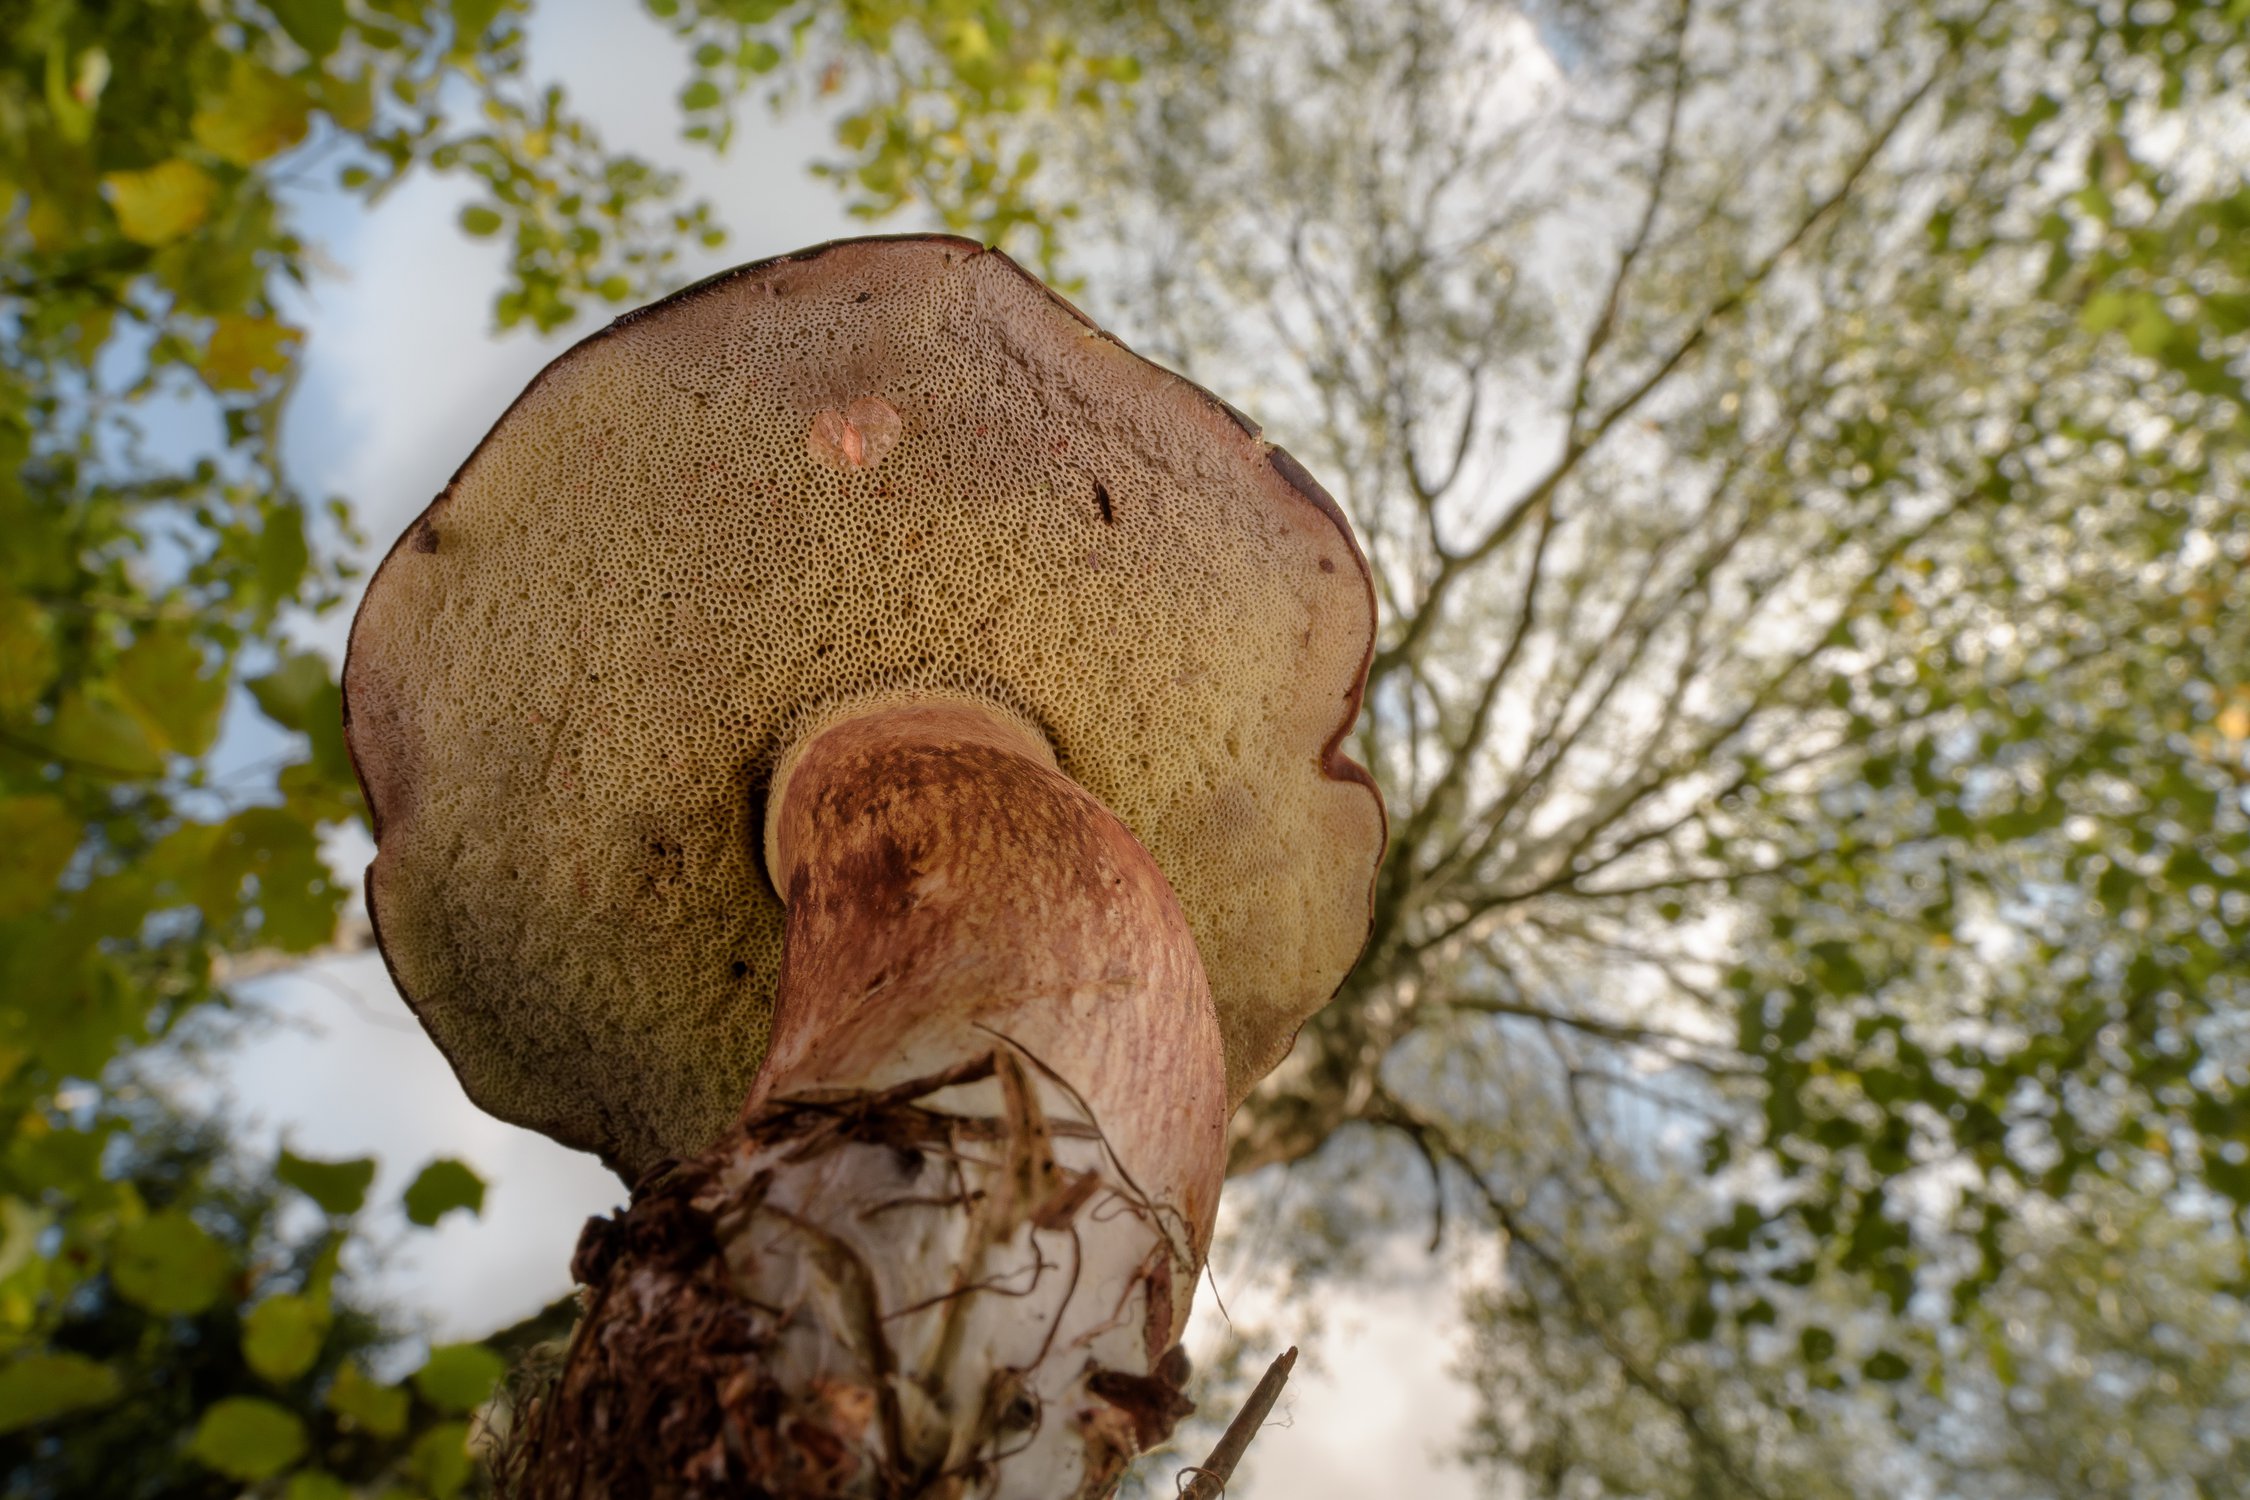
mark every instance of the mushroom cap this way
{"type": "Point", "coordinates": [880, 466]}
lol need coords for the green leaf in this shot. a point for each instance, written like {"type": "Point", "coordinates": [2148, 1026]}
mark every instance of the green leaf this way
{"type": "Point", "coordinates": [95, 732]}
{"type": "Point", "coordinates": [2151, 330]}
{"type": "Point", "coordinates": [40, 836]}
{"type": "Point", "coordinates": [282, 555]}
{"type": "Point", "coordinates": [297, 897]}
{"type": "Point", "coordinates": [312, 1484]}
{"type": "Point", "coordinates": [471, 20]}
{"type": "Point", "coordinates": [2042, 108]}
{"type": "Point", "coordinates": [281, 1336]}
{"type": "Point", "coordinates": [169, 1265]}
{"type": "Point", "coordinates": [339, 1187]}
{"type": "Point", "coordinates": [27, 654]}
{"type": "Point", "coordinates": [701, 94]}
{"type": "Point", "coordinates": [480, 221]}
{"type": "Point", "coordinates": [378, 1409]}
{"type": "Point", "coordinates": [249, 1439]}
{"type": "Point", "coordinates": [459, 1377]}
{"type": "Point", "coordinates": [315, 25]}
{"type": "Point", "coordinates": [2002, 1354]}
{"type": "Point", "coordinates": [350, 102]}
{"type": "Point", "coordinates": [441, 1187]}
{"type": "Point", "coordinates": [21, 1225]}
{"type": "Point", "coordinates": [293, 690]}
{"type": "Point", "coordinates": [320, 1276]}
{"type": "Point", "coordinates": [163, 680]}
{"type": "Point", "coordinates": [1884, 1365]}
{"type": "Point", "coordinates": [2105, 310]}
{"type": "Point", "coordinates": [41, 1387]}
{"type": "Point", "coordinates": [441, 1459]}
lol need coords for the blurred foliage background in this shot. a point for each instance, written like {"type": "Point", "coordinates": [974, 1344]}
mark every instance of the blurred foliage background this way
{"type": "Point", "coordinates": [1802, 446]}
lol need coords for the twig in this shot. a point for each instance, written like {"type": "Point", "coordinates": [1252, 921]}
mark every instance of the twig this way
{"type": "Point", "coordinates": [352, 937]}
{"type": "Point", "coordinates": [1211, 1475]}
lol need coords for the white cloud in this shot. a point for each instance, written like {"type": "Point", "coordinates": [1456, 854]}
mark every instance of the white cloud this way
{"type": "Point", "coordinates": [1370, 1409]}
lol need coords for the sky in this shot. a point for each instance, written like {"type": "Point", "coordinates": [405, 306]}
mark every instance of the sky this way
{"type": "Point", "coordinates": [402, 374]}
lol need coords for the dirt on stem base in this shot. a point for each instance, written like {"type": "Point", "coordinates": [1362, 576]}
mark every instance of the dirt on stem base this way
{"type": "Point", "coordinates": [888, 1294]}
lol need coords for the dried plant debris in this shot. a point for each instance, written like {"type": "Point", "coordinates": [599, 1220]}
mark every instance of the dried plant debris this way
{"type": "Point", "coordinates": [810, 1309]}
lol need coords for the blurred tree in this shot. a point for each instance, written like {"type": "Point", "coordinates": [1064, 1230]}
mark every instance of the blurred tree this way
{"type": "Point", "coordinates": [1802, 448]}
{"type": "Point", "coordinates": [224, 1344]}
{"type": "Point", "coordinates": [155, 158]}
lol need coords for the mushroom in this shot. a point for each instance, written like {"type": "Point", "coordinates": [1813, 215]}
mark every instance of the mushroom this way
{"type": "Point", "coordinates": [858, 748]}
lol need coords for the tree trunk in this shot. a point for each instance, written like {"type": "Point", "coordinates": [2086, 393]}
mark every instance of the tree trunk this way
{"type": "Point", "coordinates": [951, 1247]}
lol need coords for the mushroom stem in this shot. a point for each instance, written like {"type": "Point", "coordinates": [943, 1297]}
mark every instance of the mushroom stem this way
{"type": "Point", "coordinates": [945, 884]}
{"type": "Point", "coordinates": [951, 1248]}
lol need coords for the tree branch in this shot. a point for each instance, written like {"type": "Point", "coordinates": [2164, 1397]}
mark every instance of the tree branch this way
{"type": "Point", "coordinates": [1212, 1474]}
{"type": "Point", "coordinates": [1581, 442]}
{"type": "Point", "coordinates": [1389, 1111]}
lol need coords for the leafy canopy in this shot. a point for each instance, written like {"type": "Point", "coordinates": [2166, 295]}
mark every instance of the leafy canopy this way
{"type": "Point", "coordinates": [156, 158]}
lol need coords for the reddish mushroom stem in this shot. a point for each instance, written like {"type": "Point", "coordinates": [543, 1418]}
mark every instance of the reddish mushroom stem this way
{"type": "Point", "coordinates": [950, 1250]}
{"type": "Point", "coordinates": [945, 884]}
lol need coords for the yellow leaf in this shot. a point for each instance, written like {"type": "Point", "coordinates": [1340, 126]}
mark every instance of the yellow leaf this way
{"type": "Point", "coordinates": [261, 114]}
{"type": "Point", "coordinates": [2234, 722]}
{"type": "Point", "coordinates": [968, 41]}
{"type": "Point", "coordinates": [159, 205]}
{"type": "Point", "coordinates": [242, 349]}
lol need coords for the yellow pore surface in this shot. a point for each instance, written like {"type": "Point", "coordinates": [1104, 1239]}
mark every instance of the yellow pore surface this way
{"type": "Point", "coordinates": [881, 465]}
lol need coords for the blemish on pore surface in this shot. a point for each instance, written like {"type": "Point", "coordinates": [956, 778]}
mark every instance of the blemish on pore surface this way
{"type": "Point", "coordinates": [857, 437]}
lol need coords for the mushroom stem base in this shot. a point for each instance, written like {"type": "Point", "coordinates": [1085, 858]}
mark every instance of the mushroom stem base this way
{"type": "Point", "coordinates": [873, 1296]}
{"type": "Point", "coordinates": [950, 1249]}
